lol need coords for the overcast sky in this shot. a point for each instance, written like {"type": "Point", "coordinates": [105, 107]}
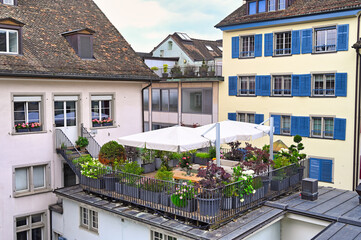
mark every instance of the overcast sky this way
{"type": "Point", "coordinates": [145, 23]}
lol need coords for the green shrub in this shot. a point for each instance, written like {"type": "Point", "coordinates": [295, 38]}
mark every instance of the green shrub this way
{"type": "Point", "coordinates": [112, 153]}
{"type": "Point", "coordinates": [82, 160]}
{"type": "Point", "coordinates": [82, 142]}
{"type": "Point", "coordinates": [203, 155]}
{"type": "Point", "coordinates": [164, 174]}
{"type": "Point", "coordinates": [212, 152]}
{"type": "Point", "coordinates": [154, 68]}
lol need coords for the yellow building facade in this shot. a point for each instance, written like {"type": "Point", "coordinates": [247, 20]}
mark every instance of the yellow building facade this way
{"type": "Point", "coordinates": [270, 70]}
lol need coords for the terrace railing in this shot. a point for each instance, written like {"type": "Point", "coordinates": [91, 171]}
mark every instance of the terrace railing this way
{"type": "Point", "coordinates": [93, 147]}
{"type": "Point", "coordinates": [191, 71]}
{"type": "Point", "coordinates": [206, 207]}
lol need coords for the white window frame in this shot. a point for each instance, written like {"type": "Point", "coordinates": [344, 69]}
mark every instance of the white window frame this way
{"type": "Point", "coordinates": [90, 221]}
{"type": "Point", "coordinates": [282, 125]}
{"type": "Point", "coordinates": [279, 4]}
{"type": "Point", "coordinates": [29, 226]}
{"type": "Point", "coordinates": [9, 2]}
{"type": "Point", "coordinates": [324, 90]}
{"type": "Point", "coordinates": [246, 116]}
{"type": "Point", "coordinates": [249, 53]}
{"type": "Point", "coordinates": [315, 30]}
{"type": "Point", "coordinates": [283, 49]}
{"type": "Point", "coordinates": [273, 5]}
{"type": "Point", "coordinates": [30, 180]}
{"type": "Point", "coordinates": [99, 99]}
{"type": "Point", "coordinates": [323, 127]}
{"type": "Point", "coordinates": [26, 100]}
{"type": "Point", "coordinates": [249, 80]}
{"type": "Point", "coordinates": [283, 77]}
{"type": "Point", "coordinates": [156, 235]}
{"type": "Point", "coordinates": [8, 31]}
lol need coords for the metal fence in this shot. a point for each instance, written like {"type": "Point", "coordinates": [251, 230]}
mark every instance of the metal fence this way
{"type": "Point", "coordinates": [93, 147]}
{"type": "Point", "coordinates": [189, 71]}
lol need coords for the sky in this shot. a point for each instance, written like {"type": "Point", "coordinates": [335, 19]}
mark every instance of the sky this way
{"type": "Point", "coordinates": [145, 23]}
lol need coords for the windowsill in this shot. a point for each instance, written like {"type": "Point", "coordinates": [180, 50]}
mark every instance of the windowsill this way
{"type": "Point", "coordinates": [105, 127]}
{"type": "Point", "coordinates": [10, 54]}
{"type": "Point", "coordinates": [324, 52]}
{"type": "Point", "coordinates": [313, 137]}
{"type": "Point", "coordinates": [89, 230]}
{"type": "Point", "coordinates": [28, 133]}
{"type": "Point", "coordinates": [247, 57]}
{"type": "Point", "coordinates": [254, 95]}
{"type": "Point", "coordinates": [25, 194]}
{"type": "Point", "coordinates": [323, 96]}
{"type": "Point", "coordinates": [165, 111]}
{"type": "Point", "coordinates": [285, 96]}
{"type": "Point", "coordinates": [284, 55]}
{"type": "Point", "coordinates": [197, 113]}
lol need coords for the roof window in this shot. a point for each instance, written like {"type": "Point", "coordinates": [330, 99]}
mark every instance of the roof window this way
{"type": "Point", "coordinates": [81, 41]}
{"type": "Point", "coordinates": [9, 2]}
{"type": "Point", "coordinates": [260, 6]}
{"type": "Point", "coordinates": [184, 36]}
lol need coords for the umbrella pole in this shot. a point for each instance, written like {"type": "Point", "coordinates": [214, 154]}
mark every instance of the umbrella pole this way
{"type": "Point", "coordinates": [218, 144]}
{"type": "Point", "coordinates": [271, 138]}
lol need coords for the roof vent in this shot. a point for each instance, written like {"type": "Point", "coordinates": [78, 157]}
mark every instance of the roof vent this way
{"type": "Point", "coordinates": [309, 189]}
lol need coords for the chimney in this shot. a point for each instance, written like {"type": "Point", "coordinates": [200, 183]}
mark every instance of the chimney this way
{"type": "Point", "coordinates": [358, 190]}
{"type": "Point", "coordinates": [310, 189]}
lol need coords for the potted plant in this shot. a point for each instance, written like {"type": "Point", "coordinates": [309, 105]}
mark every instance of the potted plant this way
{"type": "Point", "coordinates": [165, 175]}
{"type": "Point", "coordinates": [184, 197]}
{"type": "Point", "coordinates": [236, 153]}
{"type": "Point", "coordinates": [150, 190]}
{"type": "Point", "coordinates": [211, 73]}
{"type": "Point", "coordinates": [35, 127]}
{"type": "Point", "coordinates": [129, 179]}
{"type": "Point", "coordinates": [112, 154]}
{"type": "Point", "coordinates": [296, 157]}
{"type": "Point", "coordinates": [174, 159]}
{"type": "Point", "coordinates": [258, 188]}
{"type": "Point", "coordinates": [186, 163]}
{"type": "Point", "coordinates": [202, 158]}
{"type": "Point", "coordinates": [96, 123]}
{"type": "Point", "coordinates": [22, 127]}
{"type": "Point", "coordinates": [203, 69]}
{"type": "Point", "coordinates": [227, 197]}
{"type": "Point", "coordinates": [107, 122]}
{"type": "Point", "coordinates": [280, 179]}
{"type": "Point", "coordinates": [165, 71]}
{"type": "Point", "coordinates": [243, 187]}
{"type": "Point", "coordinates": [154, 69]}
{"type": "Point", "coordinates": [132, 153]}
{"type": "Point", "coordinates": [158, 158]}
{"type": "Point", "coordinates": [148, 160]}
{"type": "Point", "coordinates": [176, 71]}
{"type": "Point", "coordinates": [214, 179]}
{"type": "Point", "coordinates": [189, 71]}
{"type": "Point", "coordinates": [91, 172]}
{"type": "Point", "coordinates": [81, 143]}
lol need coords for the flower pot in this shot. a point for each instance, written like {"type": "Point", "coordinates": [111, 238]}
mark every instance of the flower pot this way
{"type": "Point", "coordinates": [294, 179]}
{"type": "Point", "coordinates": [301, 170]}
{"type": "Point", "coordinates": [227, 203]}
{"type": "Point", "coordinates": [237, 203]}
{"type": "Point", "coordinates": [164, 75]}
{"type": "Point", "coordinates": [150, 167]}
{"type": "Point", "coordinates": [279, 185]}
{"type": "Point", "coordinates": [266, 183]}
{"type": "Point", "coordinates": [201, 161]}
{"type": "Point", "coordinates": [130, 191]}
{"type": "Point", "coordinates": [173, 163]}
{"type": "Point", "coordinates": [259, 194]}
{"type": "Point", "coordinates": [38, 129]}
{"type": "Point", "coordinates": [209, 207]}
{"type": "Point", "coordinates": [21, 130]}
{"type": "Point", "coordinates": [97, 124]}
{"type": "Point", "coordinates": [164, 199]}
{"type": "Point", "coordinates": [93, 183]}
{"type": "Point", "coordinates": [211, 73]}
{"type": "Point", "coordinates": [118, 188]}
{"type": "Point", "coordinates": [110, 181]}
{"type": "Point", "coordinates": [203, 73]}
{"type": "Point", "coordinates": [158, 163]}
{"type": "Point", "coordinates": [107, 124]}
{"type": "Point", "coordinates": [190, 207]}
{"type": "Point", "coordinates": [150, 196]}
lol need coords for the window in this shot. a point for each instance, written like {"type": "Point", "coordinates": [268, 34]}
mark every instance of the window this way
{"type": "Point", "coordinates": [286, 125]}
{"type": "Point", "coordinates": [27, 113]}
{"type": "Point", "coordinates": [146, 100]}
{"type": "Point", "coordinates": [31, 179]}
{"type": "Point", "coordinates": [325, 39]}
{"type": "Point", "coordinates": [324, 84]}
{"type": "Point", "coordinates": [89, 219]}
{"type": "Point", "coordinates": [252, 8]}
{"type": "Point", "coordinates": [9, 2]}
{"type": "Point", "coordinates": [156, 126]}
{"type": "Point", "coordinates": [31, 227]}
{"type": "Point", "coordinates": [9, 41]}
{"type": "Point", "coordinates": [165, 100]}
{"type": "Point", "coordinates": [247, 46]}
{"type": "Point", "coordinates": [271, 5]}
{"type": "Point", "coordinates": [281, 4]}
{"type": "Point", "coordinates": [283, 43]}
{"type": "Point", "coordinates": [81, 41]}
{"type": "Point", "coordinates": [246, 117]}
{"type": "Point", "coordinates": [261, 6]}
{"type": "Point", "coordinates": [197, 101]}
{"type": "Point", "coordinates": [321, 169]}
{"type": "Point", "coordinates": [101, 107]}
{"type": "Point", "coordinates": [209, 48]}
{"type": "Point", "coordinates": [161, 236]}
{"type": "Point", "coordinates": [161, 54]}
{"type": "Point", "coordinates": [170, 45]}
{"type": "Point", "coordinates": [322, 127]}
{"type": "Point", "coordinates": [247, 86]}
{"type": "Point", "coordinates": [282, 85]}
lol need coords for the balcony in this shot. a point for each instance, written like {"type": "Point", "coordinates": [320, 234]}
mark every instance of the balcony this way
{"type": "Point", "coordinates": [189, 71]}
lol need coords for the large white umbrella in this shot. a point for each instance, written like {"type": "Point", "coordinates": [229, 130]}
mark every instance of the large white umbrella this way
{"type": "Point", "coordinates": [172, 139]}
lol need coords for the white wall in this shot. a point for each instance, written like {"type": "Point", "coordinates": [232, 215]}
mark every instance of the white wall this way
{"type": "Point", "coordinates": [28, 149]}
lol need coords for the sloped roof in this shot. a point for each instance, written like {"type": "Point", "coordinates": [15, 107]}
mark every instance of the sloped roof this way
{"type": "Point", "coordinates": [47, 53]}
{"type": "Point", "coordinates": [196, 48]}
{"type": "Point", "coordinates": [298, 8]}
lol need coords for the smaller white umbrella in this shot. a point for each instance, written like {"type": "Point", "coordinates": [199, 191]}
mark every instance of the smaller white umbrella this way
{"type": "Point", "coordinates": [172, 139]}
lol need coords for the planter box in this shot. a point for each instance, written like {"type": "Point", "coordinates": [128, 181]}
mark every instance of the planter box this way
{"type": "Point", "coordinates": [110, 181]}
{"type": "Point", "coordinates": [165, 199]}
{"type": "Point", "coordinates": [258, 195]}
{"type": "Point", "coordinates": [201, 161]}
{"type": "Point", "coordinates": [279, 185]}
{"type": "Point", "coordinates": [158, 163]}
{"type": "Point", "coordinates": [35, 129]}
{"type": "Point", "coordinates": [266, 183]}
{"type": "Point", "coordinates": [148, 168]}
{"type": "Point", "coordinates": [191, 206]}
{"type": "Point", "coordinates": [237, 201]}
{"type": "Point", "coordinates": [118, 188]}
{"type": "Point", "coordinates": [150, 196]}
{"type": "Point", "coordinates": [209, 207]}
{"type": "Point", "coordinates": [21, 130]}
{"type": "Point", "coordinates": [130, 191]}
{"type": "Point", "coordinates": [97, 124]}
{"type": "Point", "coordinates": [164, 75]}
{"type": "Point", "coordinates": [93, 183]}
{"type": "Point", "coordinates": [109, 124]}
{"type": "Point", "coordinates": [294, 179]}
{"type": "Point", "coordinates": [227, 203]}
{"type": "Point", "coordinates": [301, 171]}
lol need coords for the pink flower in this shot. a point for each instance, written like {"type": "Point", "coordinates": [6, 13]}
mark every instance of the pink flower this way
{"type": "Point", "coordinates": [180, 197]}
{"type": "Point", "coordinates": [184, 157]}
{"type": "Point", "coordinates": [187, 163]}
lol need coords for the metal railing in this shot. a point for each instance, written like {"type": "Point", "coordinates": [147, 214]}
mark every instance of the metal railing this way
{"type": "Point", "coordinates": [184, 200]}
{"type": "Point", "coordinates": [190, 71]}
{"type": "Point", "coordinates": [93, 147]}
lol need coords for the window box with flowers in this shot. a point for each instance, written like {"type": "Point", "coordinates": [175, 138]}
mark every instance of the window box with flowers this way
{"type": "Point", "coordinates": [107, 122]}
{"type": "Point", "coordinates": [22, 127]}
{"type": "Point", "coordinates": [35, 127]}
{"type": "Point", "coordinates": [96, 123]}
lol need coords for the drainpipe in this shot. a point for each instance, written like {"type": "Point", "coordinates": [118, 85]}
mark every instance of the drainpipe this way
{"type": "Point", "coordinates": [357, 114]}
{"type": "Point", "coordinates": [150, 84]}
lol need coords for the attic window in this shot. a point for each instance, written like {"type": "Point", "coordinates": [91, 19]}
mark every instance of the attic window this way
{"type": "Point", "coordinates": [260, 6]}
{"type": "Point", "coordinates": [10, 36]}
{"type": "Point", "coordinates": [209, 48]}
{"type": "Point", "coordinates": [9, 2]}
{"type": "Point", "coordinates": [184, 36]}
{"type": "Point", "coordinates": [220, 48]}
{"type": "Point", "coordinates": [170, 45]}
{"type": "Point", "coordinates": [82, 42]}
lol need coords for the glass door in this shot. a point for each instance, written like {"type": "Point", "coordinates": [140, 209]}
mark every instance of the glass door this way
{"type": "Point", "coordinates": [65, 116]}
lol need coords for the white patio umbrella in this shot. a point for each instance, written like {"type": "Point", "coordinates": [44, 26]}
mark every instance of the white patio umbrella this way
{"type": "Point", "coordinates": [173, 139]}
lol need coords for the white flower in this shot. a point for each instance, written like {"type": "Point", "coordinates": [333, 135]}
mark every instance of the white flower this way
{"type": "Point", "coordinates": [254, 191]}
{"type": "Point", "coordinates": [244, 178]}
{"type": "Point", "coordinates": [241, 200]}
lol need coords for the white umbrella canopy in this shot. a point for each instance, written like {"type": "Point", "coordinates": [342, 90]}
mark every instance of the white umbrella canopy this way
{"type": "Point", "coordinates": [231, 131]}
{"type": "Point", "coordinates": [172, 139]}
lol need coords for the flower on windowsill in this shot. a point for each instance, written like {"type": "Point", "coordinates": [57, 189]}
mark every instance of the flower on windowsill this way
{"type": "Point", "coordinates": [109, 120]}
{"type": "Point", "coordinates": [22, 126]}
{"type": "Point", "coordinates": [34, 125]}
{"type": "Point", "coordinates": [96, 121]}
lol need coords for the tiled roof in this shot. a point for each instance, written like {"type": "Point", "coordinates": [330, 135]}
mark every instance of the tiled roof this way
{"type": "Point", "coordinates": [47, 53]}
{"type": "Point", "coordinates": [298, 8]}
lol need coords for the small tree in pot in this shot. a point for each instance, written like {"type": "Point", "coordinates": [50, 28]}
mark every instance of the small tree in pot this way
{"type": "Point", "coordinates": [129, 179]}
{"type": "Point", "coordinates": [147, 156]}
{"type": "Point", "coordinates": [165, 71]}
{"type": "Point", "coordinates": [214, 178]}
{"type": "Point", "coordinates": [165, 175]}
{"type": "Point", "coordinates": [82, 143]}
{"type": "Point", "coordinates": [203, 69]}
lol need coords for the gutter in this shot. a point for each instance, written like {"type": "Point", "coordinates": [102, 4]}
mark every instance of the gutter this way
{"type": "Point", "coordinates": [150, 84]}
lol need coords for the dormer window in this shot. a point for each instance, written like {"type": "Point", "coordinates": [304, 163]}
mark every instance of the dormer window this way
{"type": "Point", "coordinates": [10, 36]}
{"type": "Point", "coordinates": [8, 2]}
{"type": "Point", "coordinates": [260, 6]}
{"type": "Point", "coordinates": [82, 42]}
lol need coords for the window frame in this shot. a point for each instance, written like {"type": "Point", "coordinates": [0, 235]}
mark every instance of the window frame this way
{"type": "Point", "coordinates": [284, 49]}
{"type": "Point", "coordinates": [282, 90]}
{"type": "Point", "coordinates": [31, 190]}
{"type": "Point", "coordinates": [324, 82]}
{"type": "Point", "coordinates": [247, 115]}
{"type": "Point", "coordinates": [90, 213]}
{"type": "Point", "coordinates": [20, 39]}
{"type": "Point", "coordinates": [248, 90]}
{"type": "Point", "coordinates": [203, 102]}
{"type": "Point", "coordinates": [323, 127]}
{"type": "Point", "coordinates": [111, 108]}
{"type": "Point", "coordinates": [161, 100]}
{"type": "Point", "coordinates": [327, 159]}
{"type": "Point", "coordinates": [250, 54]}
{"type": "Point", "coordinates": [317, 29]}
{"type": "Point", "coordinates": [165, 236]}
{"type": "Point", "coordinates": [15, 3]}
{"type": "Point", "coordinates": [282, 125]}
{"type": "Point", "coordinates": [30, 226]}
{"type": "Point", "coordinates": [276, 5]}
{"type": "Point", "coordinates": [162, 125]}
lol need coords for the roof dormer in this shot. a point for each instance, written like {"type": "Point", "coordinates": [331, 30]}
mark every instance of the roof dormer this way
{"type": "Point", "coordinates": [261, 6]}
{"type": "Point", "coordinates": [9, 2]}
{"type": "Point", "coordinates": [10, 36]}
{"type": "Point", "coordinates": [81, 41]}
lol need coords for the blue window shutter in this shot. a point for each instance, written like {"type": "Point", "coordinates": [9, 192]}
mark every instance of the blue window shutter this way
{"type": "Point", "coordinates": [258, 45]}
{"type": "Point", "coordinates": [268, 45]}
{"type": "Point", "coordinates": [232, 116]}
{"type": "Point", "coordinates": [295, 85]}
{"type": "Point", "coordinates": [305, 85]}
{"type": "Point", "coordinates": [264, 85]}
{"type": "Point", "coordinates": [296, 42]}
{"type": "Point", "coordinates": [235, 47]}
{"type": "Point", "coordinates": [258, 118]}
{"type": "Point", "coordinates": [342, 37]}
{"type": "Point", "coordinates": [304, 126]}
{"type": "Point", "coordinates": [294, 125]}
{"type": "Point", "coordinates": [232, 85]}
{"type": "Point", "coordinates": [326, 170]}
{"type": "Point", "coordinates": [258, 86]}
{"type": "Point", "coordinates": [306, 41]}
{"type": "Point", "coordinates": [339, 129]}
{"type": "Point", "coordinates": [277, 124]}
{"type": "Point", "coordinates": [315, 168]}
{"type": "Point", "coordinates": [341, 85]}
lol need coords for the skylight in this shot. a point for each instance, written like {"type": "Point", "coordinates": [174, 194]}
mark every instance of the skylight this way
{"type": "Point", "coordinates": [184, 36]}
{"type": "Point", "coordinates": [220, 48]}
{"type": "Point", "coordinates": [209, 48]}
